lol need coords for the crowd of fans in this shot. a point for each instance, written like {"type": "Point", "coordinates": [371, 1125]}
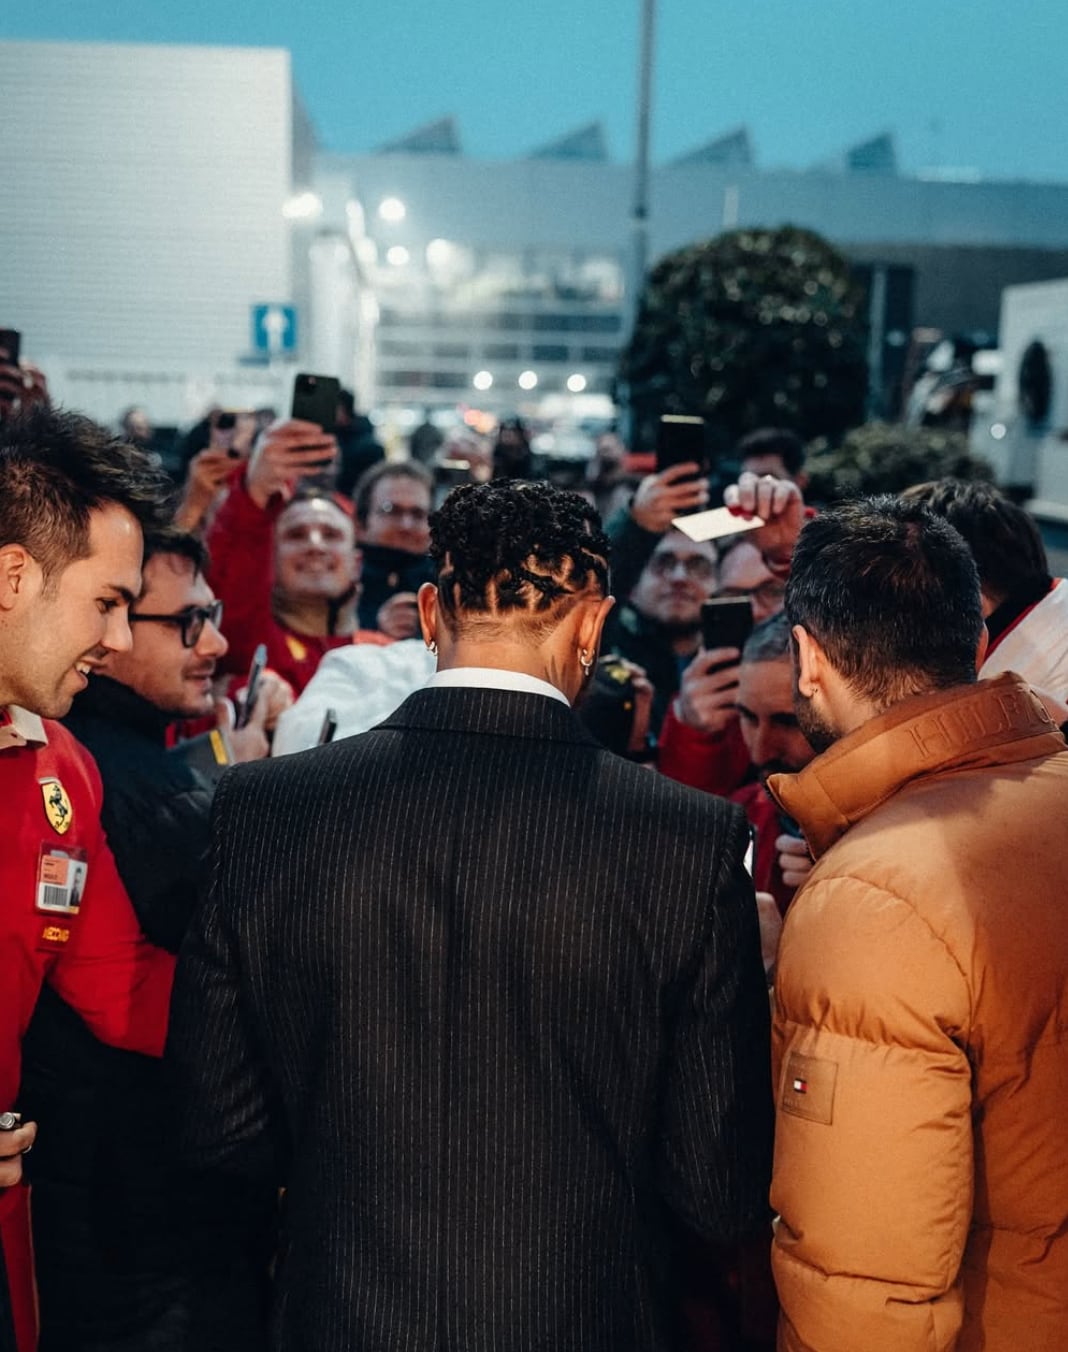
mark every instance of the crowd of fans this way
{"type": "Point", "coordinates": [314, 544]}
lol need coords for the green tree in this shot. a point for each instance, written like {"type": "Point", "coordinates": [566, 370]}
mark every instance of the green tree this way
{"type": "Point", "coordinates": [752, 329]}
{"type": "Point", "coordinates": [888, 458]}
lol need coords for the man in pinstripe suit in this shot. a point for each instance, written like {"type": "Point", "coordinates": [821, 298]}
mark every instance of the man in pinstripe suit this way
{"type": "Point", "coordinates": [484, 998]}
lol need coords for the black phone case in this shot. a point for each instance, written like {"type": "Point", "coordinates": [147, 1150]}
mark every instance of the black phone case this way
{"type": "Point", "coordinates": [726, 624]}
{"type": "Point", "coordinates": [315, 400]}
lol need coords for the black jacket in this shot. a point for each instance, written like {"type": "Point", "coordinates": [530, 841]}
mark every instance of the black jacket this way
{"type": "Point", "coordinates": [156, 805]}
{"type": "Point", "coordinates": [384, 572]}
{"type": "Point", "coordinates": [633, 635]}
{"type": "Point", "coordinates": [488, 1001]}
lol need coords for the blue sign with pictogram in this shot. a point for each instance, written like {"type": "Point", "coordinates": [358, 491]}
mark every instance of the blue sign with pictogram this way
{"type": "Point", "coordinates": [274, 329]}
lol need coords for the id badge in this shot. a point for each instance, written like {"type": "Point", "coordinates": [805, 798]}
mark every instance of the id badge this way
{"type": "Point", "coordinates": [61, 875]}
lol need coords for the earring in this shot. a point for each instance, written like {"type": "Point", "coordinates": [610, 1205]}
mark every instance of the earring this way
{"type": "Point", "coordinates": [432, 648]}
{"type": "Point", "coordinates": [585, 662]}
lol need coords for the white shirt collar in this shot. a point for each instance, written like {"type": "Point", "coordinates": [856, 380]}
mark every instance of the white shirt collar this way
{"type": "Point", "coordinates": [19, 727]}
{"type": "Point", "coordinates": [495, 678]}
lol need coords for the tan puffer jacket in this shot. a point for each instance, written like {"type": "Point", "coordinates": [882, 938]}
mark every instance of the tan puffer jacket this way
{"type": "Point", "coordinates": [921, 1035]}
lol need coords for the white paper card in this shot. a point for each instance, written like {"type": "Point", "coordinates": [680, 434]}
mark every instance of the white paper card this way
{"type": "Point", "coordinates": [714, 524]}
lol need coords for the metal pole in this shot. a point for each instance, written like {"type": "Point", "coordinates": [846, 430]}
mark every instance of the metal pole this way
{"type": "Point", "coordinates": [640, 214]}
{"type": "Point", "coordinates": [876, 339]}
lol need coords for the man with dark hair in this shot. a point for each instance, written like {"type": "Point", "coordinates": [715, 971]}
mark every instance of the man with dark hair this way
{"type": "Point", "coordinates": [757, 700]}
{"type": "Point", "coordinates": [73, 501]}
{"type": "Point", "coordinates": [773, 450]}
{"type": "Point", "coordinates": [1026, 610]}
{"type": "Point", "coordinates": [283, 557]}
{"type": "Point", "coordinates": [490, 1062]}
{"type": "Point", "coordinates": [358, 448]}
{"type": "Point", "coordinates": [392, 501]}
{"type": "Point", "coordinates": [920, 1070]}
{"type": "Point", "coordinates": [157, 1280]}
{"type": "Point", "coordinates": [658, 627]}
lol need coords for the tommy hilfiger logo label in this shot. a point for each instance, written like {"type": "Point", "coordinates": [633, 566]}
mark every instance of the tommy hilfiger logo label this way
{"type": "Point", "coordinates": [808, 1085]}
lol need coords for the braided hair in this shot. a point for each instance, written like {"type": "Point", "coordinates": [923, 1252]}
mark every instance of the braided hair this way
{"type": "Point", "coordinates": [512, 546]}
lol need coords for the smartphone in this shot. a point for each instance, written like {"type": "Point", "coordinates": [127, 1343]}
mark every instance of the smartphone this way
{"type": "Point", "coordinates": [726, 622]}
{"type": "Point", "coordinates": [252, 689]}
{"type": "Point", "coordinates": [315, 400]}
{"type": "Point", "coordinates": [680, 439]}
{"type": "Point", "coordinates": [326, 732]}
{"type": "Point", "coordinates": [223, 429]}
{"type": "Point", "coordinates": [10, 340]}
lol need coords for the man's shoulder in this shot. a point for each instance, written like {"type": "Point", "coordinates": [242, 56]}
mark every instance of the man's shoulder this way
{"type": "Point", "coordinates": [62, 761]}
{"type": "Point", "coordinates": [660, 804]}
{"type": "Point", "coordinates": [401, 747]}
{"type": "Point", "coordinates": [64, 751]}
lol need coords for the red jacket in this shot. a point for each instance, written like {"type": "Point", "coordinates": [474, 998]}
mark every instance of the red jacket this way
{"type": "Point", "coordinates": [719, 763]}
{"type": "Point", "coordinates": [65, 918]}
{"type": "Point", "coordinates": [241, 542]}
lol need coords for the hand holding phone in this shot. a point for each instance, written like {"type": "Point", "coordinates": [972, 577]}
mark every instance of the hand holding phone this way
{"type": "Point", "coordinates": [315, 401]}
{"type": "Point", "coordinates": [252, 688]}
{"type": "Point", "coordinates": [795, 862]}
{"type": "Point", "coordinates": [283, 454]}
{"type": "Point", "coordinates": [673, 492]}
{"type": "Point", "coordinates": [708, 690]}
{"type": "Point", "coordinates": [682, 464]}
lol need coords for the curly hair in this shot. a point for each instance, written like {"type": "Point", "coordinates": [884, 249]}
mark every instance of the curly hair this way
{"type": "Point", "coordinates": [511, 546]}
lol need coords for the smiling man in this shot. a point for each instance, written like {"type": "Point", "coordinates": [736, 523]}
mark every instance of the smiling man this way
{"type": "Point", "coordinates": [73, 501]}
{"type": "Point", "coordinates": [284, 559]}
{"type": "Point", "coordinates": [157, 803]}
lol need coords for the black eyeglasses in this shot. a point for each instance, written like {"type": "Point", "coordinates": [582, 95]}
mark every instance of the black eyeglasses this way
{"type": "Point", "coordinates": [191, 622]}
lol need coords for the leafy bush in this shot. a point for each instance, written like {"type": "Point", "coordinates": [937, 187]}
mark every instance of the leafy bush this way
{"type": "Point", "coordinates": [754, 328]}
{"type": "Point", "coordinates": [888, 458]}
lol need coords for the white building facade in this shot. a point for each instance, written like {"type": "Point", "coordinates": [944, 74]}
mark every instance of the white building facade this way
{"type": "Point", "coordinates": [164, 193]}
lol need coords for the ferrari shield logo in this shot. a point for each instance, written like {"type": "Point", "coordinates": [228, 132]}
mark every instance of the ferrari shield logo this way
{"type": "Point", "coordinates": [57, 806]}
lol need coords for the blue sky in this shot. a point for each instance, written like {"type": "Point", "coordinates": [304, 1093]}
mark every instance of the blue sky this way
{"type": "Point", "coordinates": [977, 86]}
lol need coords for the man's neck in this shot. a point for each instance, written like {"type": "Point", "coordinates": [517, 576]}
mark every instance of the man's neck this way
{"type": "Point", "coordinates": [313, 617]}
{"type": "Point", "coordinates": [506, 657]}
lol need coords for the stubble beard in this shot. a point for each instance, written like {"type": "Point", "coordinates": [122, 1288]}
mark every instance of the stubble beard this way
{"type": "Point", "coordinates": [819, 734]}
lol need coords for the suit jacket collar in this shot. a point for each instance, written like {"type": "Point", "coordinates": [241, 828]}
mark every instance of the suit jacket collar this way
{"type": "Point", "coordinates": [497, 713]}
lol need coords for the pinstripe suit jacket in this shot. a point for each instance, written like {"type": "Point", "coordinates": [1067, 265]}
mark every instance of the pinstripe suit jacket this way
{"type": "Point", "coordinates": [488, 1001]}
